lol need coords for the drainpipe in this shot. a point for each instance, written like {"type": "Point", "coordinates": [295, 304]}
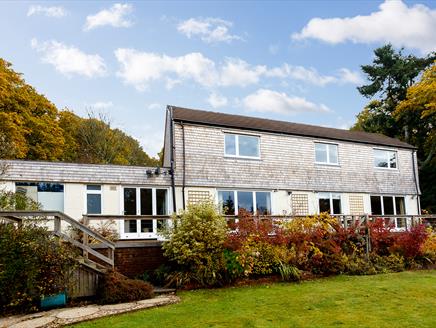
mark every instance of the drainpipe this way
{"type": "Point", "coordinates": [416, 182]}
{"type": "Point", "coordinates": [184, 166]}
{"type": "Point", "coordinates": [173, 184]}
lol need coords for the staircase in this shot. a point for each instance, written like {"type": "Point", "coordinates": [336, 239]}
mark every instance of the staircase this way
{"type": "Point", "coordinates": [90, 269]}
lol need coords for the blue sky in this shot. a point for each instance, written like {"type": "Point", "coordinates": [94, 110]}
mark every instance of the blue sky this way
{"type": "Point", "coordinates": [294, 61]}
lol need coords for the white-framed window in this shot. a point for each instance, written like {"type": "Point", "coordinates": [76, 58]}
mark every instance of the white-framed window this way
{"type": "Point", "coordinates": [256, 202]}
{"type": "Point", "coordinates": [386, 159]}
{"type": "Point", "coordinates": [241, 145]}
{"type": "Point", "coordinates": [329, 202]}
{"type": "Point", "coordinates": [326, 153]}
{"type": "Point", "coordinates": [389, 205]}
{"type": "Point", "coordinates": [93, 199]}
{"type": "Point", "coordinates": [145, 201]}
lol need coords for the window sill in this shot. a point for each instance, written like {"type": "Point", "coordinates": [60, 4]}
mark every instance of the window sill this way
{"type": "Point", "coordinates": [387, 169]}
{"type": "Point", "coordinates": [327, 164]}
{"type": "Point", "coordinates": [258, 159]}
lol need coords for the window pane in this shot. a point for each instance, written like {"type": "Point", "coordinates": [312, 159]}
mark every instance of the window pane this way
{"type": "Point", "coordinates": [321, 153]}
{"type": "Point", "coordinates": [248, 146]}
{"type": "Point", "coordinates": [399, 205]}
{"type": "Point", "coordinates": [336, 206]}
{"type": "Point", "coordinates": [161, 202]}
{"type": "Point", "coordinates": [130, 226]}
{"type": "Point", "coordinates": [324, 205]}
{"type": "Point", "coordinates": [146, 202]}
{"type": "Point", "coordinates": [245, 201]}
{"type": "Point", "coordinates": [227, 200]}
{"type": "Point", "coordinates": [376, 205]}
{"type": "Point", "coordinates": [130, 201]}
{"type": "Point", "coordinates": [393, 159]}
{"type": "Point", "coordinates": [93, 204]}
{"type": "Point", "coordinates": [146, 225]}
{"type": "Point", "coordinates": [93, 187]}
{"type": "Point", "coordinates": [388, 205]}
{"type": "Point", "coordinates": [380, 158]}
{"type": "Point", "coordinates": [263, 203]}
{"type": "Point", "coordinates": [230, 144]}
{"type": "Point", "coordinates": [50, 187]}
{"type": "Point", "coordinates": [333, 154]}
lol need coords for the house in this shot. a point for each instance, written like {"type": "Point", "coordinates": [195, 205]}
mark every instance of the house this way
{"type": "Point", "coordinates": [264, 166]}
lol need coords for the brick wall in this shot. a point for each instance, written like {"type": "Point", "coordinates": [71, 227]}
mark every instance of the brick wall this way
{"type": "Point", "coordinates": [134, 261]}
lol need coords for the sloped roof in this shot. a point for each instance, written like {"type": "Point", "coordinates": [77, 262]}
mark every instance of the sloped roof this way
{"type": "Point", "coordinates": [260, 124]}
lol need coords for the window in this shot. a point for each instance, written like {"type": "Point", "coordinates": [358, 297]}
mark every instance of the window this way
{"type": "Point", "coordinates": [239, 145]}
{"type": "Point", "coordinates": [389, 205]}
{"type": "Point", "coordinates": [330, 203]}
{"type": "Point", "coordinates": [251, 201]}
{"type": "Point", "coordinates": [143, 201]}
{"type": "Point", "coordinates": [385, 159]}
{"type": "Point", "coordinates": [326, 153]}
{"type": "Point", "coordinates": [49, 195]}
{"type": "Point", "coordinates": [93, 199]}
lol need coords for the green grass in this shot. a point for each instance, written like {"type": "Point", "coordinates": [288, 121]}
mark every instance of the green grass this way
{"type": "Point", "coordinates": [406, 299]}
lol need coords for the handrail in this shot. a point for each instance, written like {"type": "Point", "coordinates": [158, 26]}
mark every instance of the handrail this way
{"type": "Point", "coordinates": [57, 218]}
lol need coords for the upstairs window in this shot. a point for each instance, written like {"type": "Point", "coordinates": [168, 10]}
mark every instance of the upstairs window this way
{"type": "Point", "coordinates": [385, 159]}
{"type": "Point", "coordinates": [238, 145]}
{"type": "Point", "coordinates": [326, 153]}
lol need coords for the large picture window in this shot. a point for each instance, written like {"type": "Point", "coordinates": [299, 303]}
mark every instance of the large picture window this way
{"type": "Point", "coordinates": [50, 195]}
{"type": "Point", "coordinates": [326, 153]}
{"type": "Point", "coordinates": [256, 202]}
{"type": "Point", "coordinates": [239, 145]}
{"type": "Point", "coordinates": [389, 205]}
{"type": "Point", "coordinates": [385, 159]}
{"type": "Point", "coordinates": [330, 203]}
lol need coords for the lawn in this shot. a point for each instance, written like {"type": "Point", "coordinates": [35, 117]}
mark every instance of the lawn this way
{"type": "Point", "coordinates": [406, 299]}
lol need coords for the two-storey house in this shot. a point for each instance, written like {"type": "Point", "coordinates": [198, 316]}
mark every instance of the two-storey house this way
{"type": "Point", "coordinates": [260, 165]}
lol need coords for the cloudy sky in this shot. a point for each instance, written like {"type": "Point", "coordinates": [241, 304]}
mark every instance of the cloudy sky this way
{"type": "Point", "coordinates": [295, 61]}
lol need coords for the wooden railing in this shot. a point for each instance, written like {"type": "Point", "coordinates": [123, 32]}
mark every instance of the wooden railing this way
{"type": "Point", "coordinates": [19, 217]}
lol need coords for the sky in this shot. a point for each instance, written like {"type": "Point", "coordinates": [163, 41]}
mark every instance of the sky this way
{"type": "Point", "coordinates": [294, 61]}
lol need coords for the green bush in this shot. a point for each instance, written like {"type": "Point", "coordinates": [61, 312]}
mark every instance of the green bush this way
{"type": "Point", "coordinates": [33, 263]}
{"type": "Point", "coordinates": [116, 288]}
{"type": "Point", "coordinates": [233, 269]}
{"type": "Point", "coordinates": [196, 243]}
{"type": "Point", "coordinates": [289, 272]}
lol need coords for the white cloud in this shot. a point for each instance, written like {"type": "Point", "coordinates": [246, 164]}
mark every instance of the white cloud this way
{"type": "Point", "coordinates": [270, 101]}
{"type": "Point", "coordinates": [53, 11]}
{"type": "Point", "coordinates": [238, 72]}
{"type": "Point", "coordinates": [395, 22]}
{"type": "Point", "coordinates": [69, 60]}
{"type": "Point", "coordinates": [114, 16]}
{"type": "Point", "coordinates": [209, 30]}
{"type": "Point", "coordinates": [273, 49]}
{"type": "Point", "coordinates": [101, 105]}
{"type": "Point", "coordinates": [216, 100]}
{"type": "Point", "coordinates": [140, 69]}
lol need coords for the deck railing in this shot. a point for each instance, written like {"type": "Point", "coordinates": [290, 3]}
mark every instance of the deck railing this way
{"type": "Point", "coordinates": [60, 224]}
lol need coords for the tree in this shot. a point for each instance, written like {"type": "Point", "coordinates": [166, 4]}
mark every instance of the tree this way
{"type": "Point", "coordinates": [390, 75]}
{"type": "Point", "coordinates": [31, 127]}
{"type": "Point", "coordinates": [420, 104]}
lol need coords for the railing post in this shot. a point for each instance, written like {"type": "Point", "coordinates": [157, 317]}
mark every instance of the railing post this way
{"type": "Point", "coordinates": [85, 242]}
{"type": "Point", "coordinates": [57, 224]}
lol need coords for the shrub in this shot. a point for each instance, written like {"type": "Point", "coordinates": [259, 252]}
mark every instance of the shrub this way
{"type": "Point", "coordinates": [289, 272]}
{"type": "Point", "coordinates": [257, 257]}
{"type": "Point", "coordinates": [429, 247]}
{"type": "Point", "coordinates": [33, 263]}
{"type": "Point", "coordinates": [196, 243]}
{"type": "Point", "coordinates": [233, 269]}
{"type": "Point", "coordinates": [116, 288]}
{"type": "Point", "coordinates": [386, 264]}
{"type": "Point", "coordinates": [410, 243]}
{"type": "Point", "coordinates": [10, 201]}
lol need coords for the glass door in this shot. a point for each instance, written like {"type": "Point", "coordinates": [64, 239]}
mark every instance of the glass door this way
{"type": "Point", "coordinates": [147, 202]}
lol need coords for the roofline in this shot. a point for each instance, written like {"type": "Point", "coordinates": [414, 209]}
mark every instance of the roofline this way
{"type": "Point", "coordinates": [411, 147]}
{"type": "Point", "coordinates": [74, 163]}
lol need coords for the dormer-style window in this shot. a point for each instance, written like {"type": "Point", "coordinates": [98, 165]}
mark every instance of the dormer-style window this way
{"type": "Point", "coordinates": [385, 159]}
{"type": "Point", "coordinates": [240, 145]}
{"type": "Point", "coordinates": [326, 153]}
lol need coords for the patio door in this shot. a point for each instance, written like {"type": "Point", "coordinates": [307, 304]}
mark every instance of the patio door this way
{"type": "Point", "coordinates": [143, 201]}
